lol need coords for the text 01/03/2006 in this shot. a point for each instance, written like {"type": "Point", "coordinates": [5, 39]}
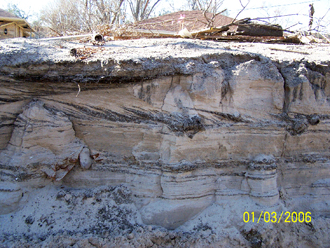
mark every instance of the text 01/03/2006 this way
{"type": "Point", "coordinates": [275, 217]}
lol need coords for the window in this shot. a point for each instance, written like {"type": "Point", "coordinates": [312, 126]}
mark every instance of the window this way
{"type": "Point", "coordinates": [5, 31]}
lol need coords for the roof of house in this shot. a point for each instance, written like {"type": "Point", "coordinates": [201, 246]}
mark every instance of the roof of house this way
{"type": "Point", "coordinates": [4, 13]}
{"type": "Point", "coordinates": [192, 20]}
{"type": "Point", "coordinates": [9, 17]}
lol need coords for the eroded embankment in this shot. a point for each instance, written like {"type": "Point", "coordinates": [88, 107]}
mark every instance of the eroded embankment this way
{"type": "Point", "coordinates": [164, 143]}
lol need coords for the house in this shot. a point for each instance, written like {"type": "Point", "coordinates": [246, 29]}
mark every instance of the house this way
{"type": "Point", "coordinates": [12, 26]}
{"type": "Point", "coordinates": [193, 21]}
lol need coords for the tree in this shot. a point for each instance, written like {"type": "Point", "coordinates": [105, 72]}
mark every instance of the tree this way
{"type": "Point", "coordinates": [211, 6]}
{"type": "Point", "coordinates": [322, 23]}
{"type": "Point", "coordinates": [141, 9]}
{"type": "Point", "coordinates": [63, 16]}
{"type": "Point", "coordinates": [70, 16]}
{"type": "Point", "coordinates": [14, 9]}
{"type": "Point", "coordinates": [105, 11]}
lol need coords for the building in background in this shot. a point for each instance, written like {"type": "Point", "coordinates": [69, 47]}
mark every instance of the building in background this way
{"type": "Point", "coordinates": [12, 26]}
{"type": "Point", "coordinates": [194, 20]}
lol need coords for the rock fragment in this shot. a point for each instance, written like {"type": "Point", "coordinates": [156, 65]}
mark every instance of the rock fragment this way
{"type": "Point", "coordinates": [29, 220]}
{"type": "Point", "coordinates": [313, 119]}
{"type": "Point", "coordinates": [85, 158]}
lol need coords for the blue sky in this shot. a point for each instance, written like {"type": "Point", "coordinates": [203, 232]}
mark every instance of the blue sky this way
{"type": "Point", "coordinates": [254, 9]}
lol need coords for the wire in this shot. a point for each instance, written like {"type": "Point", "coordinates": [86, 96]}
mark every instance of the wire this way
{"type": "Point", "coordinates": [283, 5]}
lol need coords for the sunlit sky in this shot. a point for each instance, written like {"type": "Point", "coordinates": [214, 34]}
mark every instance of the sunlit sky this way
{"type": "Point", "coordinates": [254, 9]}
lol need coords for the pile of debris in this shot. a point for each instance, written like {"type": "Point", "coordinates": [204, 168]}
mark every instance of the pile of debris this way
{"type": "Point", "coordinates": [206, 26]}
{"type": "Point", "coordinates": [199, 25]}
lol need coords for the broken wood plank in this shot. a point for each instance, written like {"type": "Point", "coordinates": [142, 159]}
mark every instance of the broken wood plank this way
{"type": "Point", "coordinates": [254, 29]}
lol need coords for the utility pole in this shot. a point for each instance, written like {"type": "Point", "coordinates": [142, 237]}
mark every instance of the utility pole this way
{"type": "Point", "coordinates": [311, 14]}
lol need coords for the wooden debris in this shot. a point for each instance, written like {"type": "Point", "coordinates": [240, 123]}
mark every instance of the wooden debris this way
{"type": "Point", "coordinates": [254, 29]}
{"type": "Point", "coordinates": [195, 25]}
{"type": "Point", "coordinates": [241, 30]}
{"type": "Point", "coordinates": [228, 29]}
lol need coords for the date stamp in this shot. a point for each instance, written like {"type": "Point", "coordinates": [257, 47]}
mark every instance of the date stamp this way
{"type": "Point", "coordinates": [274, 217]}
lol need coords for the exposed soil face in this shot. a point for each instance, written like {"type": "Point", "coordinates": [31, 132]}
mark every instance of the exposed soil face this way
{"type": "Point", "coordinates": [164, 143]}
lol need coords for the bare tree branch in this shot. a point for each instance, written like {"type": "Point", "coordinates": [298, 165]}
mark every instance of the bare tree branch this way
{"type": "Point", "coordinates": [317, 28]}
{"type": "Point", "coordinates": [209, 11]}
{"type": "Point", "coordinates": [243, 8]}
{"type": "Point", "coordinates": [141, 9]}
{"type": "Point", "coordinates": [153, 8]}
{"type": "Point", "coordinates": [117, 11]}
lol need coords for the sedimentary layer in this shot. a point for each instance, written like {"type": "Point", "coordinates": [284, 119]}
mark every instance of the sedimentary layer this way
{"type": "Point", "coordinates": [164, 142]}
